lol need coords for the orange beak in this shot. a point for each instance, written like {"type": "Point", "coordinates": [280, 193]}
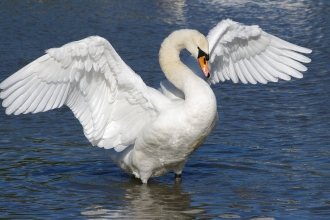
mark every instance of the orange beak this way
{"type": "Point", "coordinates": [204, 66]}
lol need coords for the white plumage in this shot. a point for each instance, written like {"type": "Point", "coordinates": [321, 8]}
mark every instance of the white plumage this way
{"type": "Point", "coordinates": [250, 55]}
{"type": "Point", "coordinates": [149, 132]}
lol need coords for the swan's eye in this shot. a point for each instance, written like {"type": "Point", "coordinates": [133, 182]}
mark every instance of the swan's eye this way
{"type": "Point", "coordinates": [201, 53]}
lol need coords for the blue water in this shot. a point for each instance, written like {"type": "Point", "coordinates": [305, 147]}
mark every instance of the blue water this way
{"type": "Point", "coordinates": [269, 157]}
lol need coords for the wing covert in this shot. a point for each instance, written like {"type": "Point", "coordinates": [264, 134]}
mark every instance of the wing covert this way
{"type": "Point", "coordinates": [250, 55]}
{"type": "Point", "coordinates": [110, 100]}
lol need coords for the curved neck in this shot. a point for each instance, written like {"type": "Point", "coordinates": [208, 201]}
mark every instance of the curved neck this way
{"type": "Point", "coordinates": [200, 107]}
{"type": "Point", "coordinates": [169, 58]}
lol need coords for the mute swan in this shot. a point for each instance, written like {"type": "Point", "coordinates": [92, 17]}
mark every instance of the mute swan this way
{"type": "Point", "coordinates": [150, 132]}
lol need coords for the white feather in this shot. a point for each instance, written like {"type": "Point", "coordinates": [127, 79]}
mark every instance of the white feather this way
{"type": "Point", "coordinates": [265, 56]}
{"type": "Point", "coordinates": [53, 75]}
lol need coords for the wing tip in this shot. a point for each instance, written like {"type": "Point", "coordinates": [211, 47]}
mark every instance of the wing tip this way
{"type": "Point", "coordinates": [305, 50]}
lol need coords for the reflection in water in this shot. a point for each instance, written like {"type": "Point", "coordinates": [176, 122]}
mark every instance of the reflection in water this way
{"type": "Point", "coordinates": [152, 201]}
{"type": "Point", "coordinates": [236, 3]}
{"type": "Point", "coordinates": [175, 10]}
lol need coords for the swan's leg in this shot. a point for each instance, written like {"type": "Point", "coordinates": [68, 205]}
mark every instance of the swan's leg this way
{"type": "Point", "coordinates": [178, 178]}
{"type": "Point", "coordinates": [178, 171]}
{"type": "Point", "coordinates": [144, 177]}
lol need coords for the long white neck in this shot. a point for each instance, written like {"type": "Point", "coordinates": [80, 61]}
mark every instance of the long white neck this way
{"type": "Point", "coordinates": [169, 58]}
{"type": "Point", "coordinates": [198, 94]}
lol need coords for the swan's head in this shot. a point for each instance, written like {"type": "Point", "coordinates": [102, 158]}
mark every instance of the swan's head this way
{"type": "Point", "coordinates": [198, 46]}
{"type": "Point", "coordinates": [193, 41]}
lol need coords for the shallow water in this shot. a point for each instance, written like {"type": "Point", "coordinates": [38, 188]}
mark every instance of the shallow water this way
{"type": "Point", "coordinates": [269, 157]}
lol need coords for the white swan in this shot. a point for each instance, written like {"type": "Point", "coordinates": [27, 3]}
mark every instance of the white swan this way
{"type": "Point", "coordinates": [150, 132]}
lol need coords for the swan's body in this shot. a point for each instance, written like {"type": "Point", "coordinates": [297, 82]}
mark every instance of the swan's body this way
{"type": "Point", "coordinates": [180, 127]}
{"type": "Point", "coordinates": [149, 132]}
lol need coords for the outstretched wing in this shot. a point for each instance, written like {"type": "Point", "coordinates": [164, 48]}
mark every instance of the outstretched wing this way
{"type": "Point", "coordinates": [111, 101]}
{"type": "Point", "coordinates": [250, 55]}
{"type": "Point", "coordinates": [247, 54]}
